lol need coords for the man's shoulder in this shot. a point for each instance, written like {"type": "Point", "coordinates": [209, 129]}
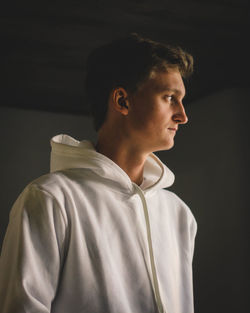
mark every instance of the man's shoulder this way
{"type": "Point", "coordinates": [175, 202]}
{"type": "Point", "coordinates": [56, 182]}
{"type": "Point", "coordinates": [62, 177]}
{"type": "Point", "coordinates": [47, 191]}
{"type": "Point", "coordinates": [172, 196]}
{"type": "Point", "coordinates": [46, 182]}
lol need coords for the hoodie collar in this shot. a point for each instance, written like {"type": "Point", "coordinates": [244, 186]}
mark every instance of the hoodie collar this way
{"type": "Point", "coordinates": [68, 152]}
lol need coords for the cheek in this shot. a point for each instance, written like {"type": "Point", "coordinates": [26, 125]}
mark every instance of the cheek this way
{"type": "Point", "coordinates": [156, 125]}
{"type": "Point", "coordinates": [141, 116]}
{"type": "Point", "coordinates": [161, 117]}
{"type": "Point", "coordinates": [150, 115]}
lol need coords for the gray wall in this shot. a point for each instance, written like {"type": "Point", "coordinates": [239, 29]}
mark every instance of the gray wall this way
{"type": "Point", "coordinates": [210, 161]}
{"type": "Point", "coordinates": [25, 149]}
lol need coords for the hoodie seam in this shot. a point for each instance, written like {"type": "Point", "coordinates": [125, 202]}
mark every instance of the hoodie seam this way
{"type": "Point", "coordinates": [60, 210]}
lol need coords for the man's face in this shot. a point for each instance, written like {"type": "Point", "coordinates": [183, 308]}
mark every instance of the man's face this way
{"type": "Point", "coordinates": [156, 111]}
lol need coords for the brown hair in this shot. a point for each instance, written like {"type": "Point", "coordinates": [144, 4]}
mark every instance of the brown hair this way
{"type": "Point", "coordinates": [128, 62]}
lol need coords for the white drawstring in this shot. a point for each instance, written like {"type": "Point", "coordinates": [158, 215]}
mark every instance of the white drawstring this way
{"type": "Point", "coordinates": [152, 262]}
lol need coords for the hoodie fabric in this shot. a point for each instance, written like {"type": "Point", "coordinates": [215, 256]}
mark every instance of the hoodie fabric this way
{"type": "Point", "coordinates": [85, 239]}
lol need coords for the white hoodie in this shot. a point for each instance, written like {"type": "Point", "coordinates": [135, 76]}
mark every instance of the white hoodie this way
{"type": "Point", "coordinates": [85, 239]}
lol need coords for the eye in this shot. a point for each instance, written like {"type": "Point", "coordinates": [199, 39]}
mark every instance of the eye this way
{"type": "Point", "coordinates": [168, 97]}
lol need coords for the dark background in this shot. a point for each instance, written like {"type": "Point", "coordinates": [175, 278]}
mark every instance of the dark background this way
{"type": "Point", "coordinates": [42, 59]}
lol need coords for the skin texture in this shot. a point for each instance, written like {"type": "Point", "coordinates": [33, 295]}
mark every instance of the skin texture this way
{"type": "Point", "coordinates": [148, 124]}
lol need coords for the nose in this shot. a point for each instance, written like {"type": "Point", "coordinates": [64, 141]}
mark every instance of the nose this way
{"type": "Point", "coordinates": [180, 115]}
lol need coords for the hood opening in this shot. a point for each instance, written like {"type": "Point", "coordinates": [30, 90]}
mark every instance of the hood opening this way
{"type": "Point", "coordinates": [68, 153]}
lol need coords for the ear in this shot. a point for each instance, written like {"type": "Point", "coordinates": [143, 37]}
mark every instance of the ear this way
{"type": "Point", "coordinates": [120, 100]}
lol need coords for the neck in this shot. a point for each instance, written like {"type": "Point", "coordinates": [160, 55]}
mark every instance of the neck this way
{"type": "Point", "coordinates": [127, 156]}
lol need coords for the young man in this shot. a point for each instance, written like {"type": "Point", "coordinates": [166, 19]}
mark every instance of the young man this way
{"type": "Point", "coordinates": [99, 233]}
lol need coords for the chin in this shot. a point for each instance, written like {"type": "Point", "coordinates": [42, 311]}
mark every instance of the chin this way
{"type": "Point", "coordinates": [169, 147]}
{"type": "Point", "coordinates": [169, 144]}
{"type": "Point", "coordinates": [166, 146]}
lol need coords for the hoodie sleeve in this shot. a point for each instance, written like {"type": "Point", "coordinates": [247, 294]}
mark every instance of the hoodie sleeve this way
{"type": "Point", "coordinates": [32, 253]}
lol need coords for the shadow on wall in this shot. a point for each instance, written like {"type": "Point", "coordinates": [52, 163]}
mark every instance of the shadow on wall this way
{"type": "Point", "coordinates": [210, 162]}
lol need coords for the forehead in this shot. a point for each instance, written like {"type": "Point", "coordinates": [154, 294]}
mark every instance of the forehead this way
{"type": "Point", "coordinates": [170, 80]}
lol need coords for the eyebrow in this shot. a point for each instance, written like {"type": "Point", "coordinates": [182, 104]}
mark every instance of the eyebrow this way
{"type": "Point", "coordinates": [166, 88]}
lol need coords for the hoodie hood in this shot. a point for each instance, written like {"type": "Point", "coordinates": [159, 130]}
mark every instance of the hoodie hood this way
{"type": "Point", "coordinates": [68, 153]}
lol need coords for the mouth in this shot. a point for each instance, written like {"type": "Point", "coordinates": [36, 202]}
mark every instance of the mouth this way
{"type": "Point", "coordinates": [173, 129]}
